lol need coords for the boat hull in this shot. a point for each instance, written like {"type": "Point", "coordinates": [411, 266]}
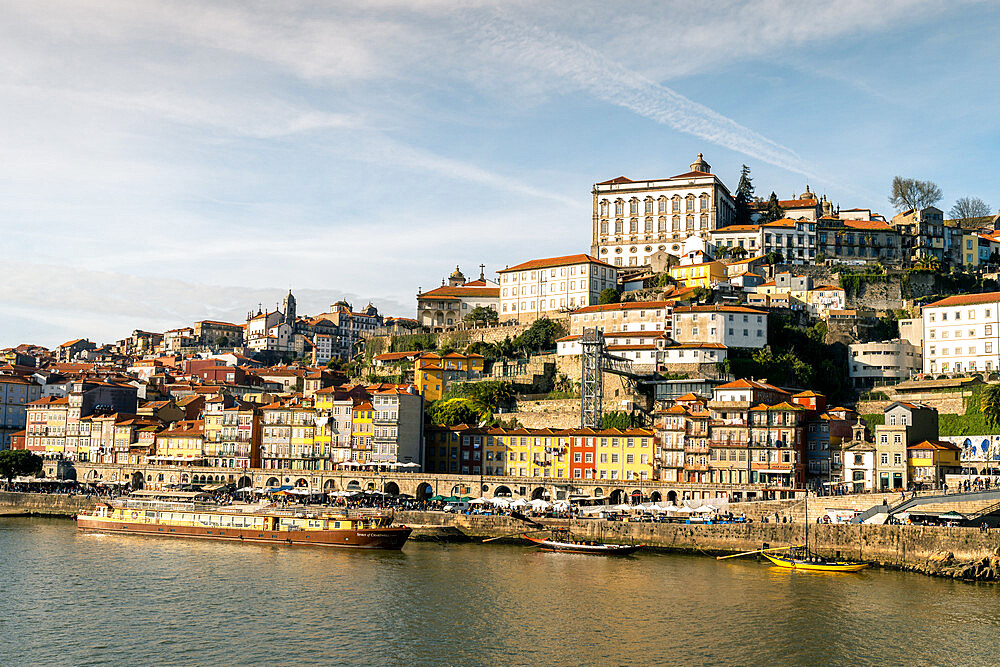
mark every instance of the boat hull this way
{"type": "Point", "coordinates": [592, 549]}
{"type": "Point", "coordinates": [815, 566]}
{"type": "Point", "coordinates": [390, 537]}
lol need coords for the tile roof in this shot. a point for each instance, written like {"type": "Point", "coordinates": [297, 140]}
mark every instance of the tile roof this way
{"type": "Point", "coordinates": [965, 300]}
{"type": "Point", "coordinates": [630, 305]}
{"type": "Point", "coordinates": [549, 262]}
{"type": "Point", "coordinates": [719, 309]}
{"type": "Point", "coordinates": [616, 181]}
{"type": "Point", "coordinates": [871, 225]}
{"type": "Point", "coordinates": [455, 292]}
{"type": "Point", "coordinates": [935, 444]}
{"type": "Point", "coordinates": [737, 228]}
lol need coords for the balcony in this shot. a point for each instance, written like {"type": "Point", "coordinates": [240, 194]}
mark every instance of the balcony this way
{"type": "Point", "coordinates": [696, 467]}
{"type": "Point", "coordinates": [696, 449]}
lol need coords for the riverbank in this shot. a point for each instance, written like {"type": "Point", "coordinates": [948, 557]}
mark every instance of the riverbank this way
{"type": "Point", "coordinates": [959, 553]}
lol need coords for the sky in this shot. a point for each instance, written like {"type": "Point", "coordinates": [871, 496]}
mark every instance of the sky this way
{"type": "Point", "coordinates": [166, 162]}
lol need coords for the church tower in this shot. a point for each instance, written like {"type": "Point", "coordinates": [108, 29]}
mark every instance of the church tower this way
{"type": "Point", "coordinates": [288, 307]}
{"type": "Point", "coordinates": [701, 165]}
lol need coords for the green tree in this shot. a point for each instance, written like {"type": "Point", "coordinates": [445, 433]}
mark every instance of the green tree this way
{"type": "Point", "coordinates": [620, 420]}
{"type": "Point", "coordinates": [989, 402]}
{"type": "Point", "coordinates": [774, 257]}
{"type": "Point", "coordinates": [609, 295]}
{"type": "Point", "coordinates": [541, 335]}
{"type": "Point", "coordinates": [664, 280]}
{"type": "Point", "coordinates": [774, 210]}
{"type": "Point", "coordinates": [15, 462]}
{"type": "Point", "coordinates": [456, 411]}
{"type": "Point", "coordinates": [481, 315]}
{"type": "Point", "coordinates": [744, 196]}
{"type": "Point", "coordinates": [701, 294]}
{"type": "Point", "coordinates": [740, 252]}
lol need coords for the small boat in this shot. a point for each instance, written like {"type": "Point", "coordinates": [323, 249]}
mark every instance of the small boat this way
{"type": "Point", "coordinates": [584, 547]}
{"type": "Point", "coordinates": [814, 564]}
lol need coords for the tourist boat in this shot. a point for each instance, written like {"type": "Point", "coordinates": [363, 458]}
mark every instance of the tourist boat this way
{"type": "Point", "coordinates": [356, 529]}
{"type": "Point", "coordinates": [584, 547]}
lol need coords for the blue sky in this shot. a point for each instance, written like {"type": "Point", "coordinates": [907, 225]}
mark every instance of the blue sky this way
{"type": "Point", "coordinates": [168, 162]}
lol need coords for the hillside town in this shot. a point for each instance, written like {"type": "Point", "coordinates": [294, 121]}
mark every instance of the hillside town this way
{"type": "Point", "coordinates": [709, 343]}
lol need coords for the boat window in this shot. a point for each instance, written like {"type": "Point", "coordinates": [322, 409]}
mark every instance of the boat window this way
{"type": "Point", "coordinates": [336, 524]}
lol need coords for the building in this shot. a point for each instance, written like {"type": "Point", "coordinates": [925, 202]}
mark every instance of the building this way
{"type": "Point", "coordinates": [922, 233]}
{"type": "Point", "coordinates": [70, 350]}
{"type": "Point", "coordinates": [553, 286]}
{"type": "Point", "coordinates": [352, 327]}
{"type": "Point", "coordinates": [432, 373]}
{"type": "Point", "coordinates": [960, 334]}
{"type": "Point", "coordinates": [232, 433]}
{"type": "Point", "coordinates": [905, 424]}
{"type": "Point", "coordinates": [739, 241]}
{"type": "Point", "coordinates": [398, 421]}
{"type": "Point", "coordinates": [15, 394]}
{"type": "Point", "coordinates": [181, 444]}
{"type": "Point", "coordinates": [880, 363]}
{"type": "Point", "coordinates": [699, 271]}
{"type": "Point", "coordinates": [447, 306]}
{"type": "Point", "coordinates": [841, 238]}
{"type": "Point", "coordinates": [777, 445]}
{"type": "Point", "coordinates": [334, 432]}
{"type": "Point", "coordinates": [635, 219]}
{"type": "Point", "coordinates": [288, 430]}
{"type": "Point", "coordinates": [652, 316]}
{"type": "Point", "coordinates": [929, 461]}
{"type": "Point", "coordinates": [794, 240]}
{"type": "Point", "coordinates": [212, 333]}
{"type": "Point", "coordinates": [732, 326]}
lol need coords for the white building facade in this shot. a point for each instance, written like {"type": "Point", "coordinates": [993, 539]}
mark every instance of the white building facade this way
{"type": "Point", "coordinates": [553, 287]}
{"type": "Point", "coordinates": [962, 334]}
{"type": "Point", "coordinates": [883, 362]}
{"type": "Point", "coordinates": [633, 220]}
{"type": "Point", "coordinates": [731, 326]}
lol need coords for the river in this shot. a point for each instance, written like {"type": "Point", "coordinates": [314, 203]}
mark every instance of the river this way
{"type": "Point", "coordinates": [80, 599]}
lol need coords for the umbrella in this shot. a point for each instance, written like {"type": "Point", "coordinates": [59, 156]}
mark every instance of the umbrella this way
{"type": "Point", "coordinates": [620, 508]}
{"type": "Point", "coordinates": [438, 497]}
{"type": "Point", "coordinates": [538, 503]}
{"type": "Point", "coordinates": [520, 502]}
{"type": "Point", "coordinates": [479, 501]}
{"type": "Point", "coordinates": [245, 489]}
{"type": "Point", "coordinates": [409, 464]}
{"type": "Point", "coordinates": [500, 502]}
{"type": "Point", "coordinates": [705, 509]}
{"type": "Point", "coordinates": [680, 509]}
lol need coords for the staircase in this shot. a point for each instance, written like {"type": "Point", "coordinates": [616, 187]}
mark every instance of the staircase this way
{"type": "Point", "coordinates": [975, 506]}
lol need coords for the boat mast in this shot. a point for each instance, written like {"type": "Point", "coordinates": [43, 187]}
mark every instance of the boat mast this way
{"type": "Point", "coordinates": [807, 522]}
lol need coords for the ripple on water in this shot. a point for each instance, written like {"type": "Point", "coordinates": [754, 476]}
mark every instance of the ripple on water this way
{"type": "Point", "coordinates": [73, 599]}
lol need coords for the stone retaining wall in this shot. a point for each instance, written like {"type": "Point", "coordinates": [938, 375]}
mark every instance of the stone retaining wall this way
{"type": "Point", "coordinates": [54, 504]}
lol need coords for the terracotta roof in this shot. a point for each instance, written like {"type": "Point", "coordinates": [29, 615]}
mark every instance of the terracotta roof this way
{"type": "Point", "coordinates": [697, 346]}
{"type": "Point", "coordinates": [935, 444]}
{"type": "Point", "coordinates": [966, 300]}
{"type": "Point", "coordinates": [549, 262]}
{"type": "Point", "coordinates": [872, 225]}
{"type": "Point", "coordinates": [70, 343]}
{"type": "Point", "coordinates": [636, 346]}
{"type": "Point", "coordinates": [455, 292]}
{"type": "Point", "coordinates": [631, 305]}
{"type": "Point", "coordinates": [719, 309]}
{"type": "Point", "coordinates": [737, 228]}
{"type": "Point", "coordinates": [396, 356]}
{"type": "Point", "coordinates": [616, 181]}
{"type": "Point", "coordinates": [224, 324]}
{"type": "Point", "coordinates": [691, 174]}
{"type": "Point", "coordinates": [750, 384]}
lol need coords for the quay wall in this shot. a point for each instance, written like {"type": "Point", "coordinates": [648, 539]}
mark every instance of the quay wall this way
{"type": "Point", "coordinates": [959, 552]}
{"type": "Point", "coordinates": [52, 504]}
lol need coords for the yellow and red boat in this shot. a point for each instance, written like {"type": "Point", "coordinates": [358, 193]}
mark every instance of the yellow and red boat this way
{"type": "Point", "coordinates": [358, 529]}
{"type": "Point", "coordinates": [814, 564]}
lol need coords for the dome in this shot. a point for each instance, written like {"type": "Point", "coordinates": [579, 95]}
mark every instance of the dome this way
{"type": "Point", "coordinates": [457, 274]}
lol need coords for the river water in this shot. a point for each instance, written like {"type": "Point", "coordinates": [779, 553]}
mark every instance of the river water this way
{"type": "Point", "coordinates": [68, 598]}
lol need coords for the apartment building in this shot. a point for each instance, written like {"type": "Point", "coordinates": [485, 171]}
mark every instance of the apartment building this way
{"type": "Point", "coordinates": [731, 326]}
{"type": "Point", "coordinates": [962, 334]}
{"type": "Point", "coordinates": [553, 287]}
{"type": "Point", "coordinates": [882, 362]}
{"type": "Point", "coordinates": [631, 317]}
{"type": "Point", "coordinates": [15, 394]}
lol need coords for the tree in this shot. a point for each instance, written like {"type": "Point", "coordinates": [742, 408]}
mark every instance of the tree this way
{"type": "Point", "coordinates": [15, 462]}
{"type": "Point", "coordinates": [664, 280]}
{"type": "Point", "coordinates": [740, 252]}
{"type": "Point", "coordinates": [989, 402]}
{"type": "Point", "coordinates": [910, 193]}
{"type": "Point", "coordinates": [701, 294]}
{"type": "Point", "coordinates": [744, 195]}
{"type": "Point", "coordinates": [774, 257]}
{"type": "Point", "coordinates": [774, 210]}
{"type": "Point", "coordinates": [455, 411]}
{"type": "Point", "coordinates": [541, 335]}
{"type": "Point", "coordinates": [620, 420]}
{"type": "Point", "coordinates": [487, 316]}
{"type": "Point", "coordinates": [609, 295]}
{"type": "Point", "coordinates": [969, 208]}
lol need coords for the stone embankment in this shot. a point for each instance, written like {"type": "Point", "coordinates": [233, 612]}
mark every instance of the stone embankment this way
{"type": "Point", "coordinates": [961, 553]}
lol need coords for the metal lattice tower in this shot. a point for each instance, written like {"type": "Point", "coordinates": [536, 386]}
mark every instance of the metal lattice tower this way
{"type": "Point", "coordinates": [592, 378]}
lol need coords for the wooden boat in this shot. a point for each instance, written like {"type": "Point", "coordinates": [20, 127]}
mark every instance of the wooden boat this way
{"type": "Point", "coordinates": [350, 530]}
{"type": "Point", "coordinates": [814, 565]}
{"type": "Point", "coordinates": [583, 547]}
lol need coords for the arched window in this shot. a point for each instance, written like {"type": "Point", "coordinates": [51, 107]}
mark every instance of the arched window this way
{"type": "Point", "coordinates": [649, 204]}
{"type": "Point", "coordinates": [704, 202]}
{"type": "Point", "coordinates": [619, 207]}
{"type": "Point", "coordinates": [663, 204]}
{"type": "Point", "coordinates": [661, 224]}
{"type": "Point", "coordinates": [649, 224]}
{"type": "Point", "coordinates": [633, 206]}
{"type": "Point", "coordinates": [618, 226]}
{"type": "Point", "coordinates": [676, 203]}
{"type": "Point", "coordinates": [604, 207]}
{"type": "Point", "coordinates": [633, 226]}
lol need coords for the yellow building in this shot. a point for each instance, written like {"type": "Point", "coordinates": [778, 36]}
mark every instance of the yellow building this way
{"type": "Point", "coordinates": [704, 274]}
{"type": "Point", "coordinates": [183, 443]}
{"type": "Point", "coordinates": [362, 430]}
{"type": "Point", "coordinates": [432, 372]}
{"type": "Point", "coordinates": [929, 461]}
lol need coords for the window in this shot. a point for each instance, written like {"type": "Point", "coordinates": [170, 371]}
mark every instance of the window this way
{"type": "Point", "coordinates": [885, 459]}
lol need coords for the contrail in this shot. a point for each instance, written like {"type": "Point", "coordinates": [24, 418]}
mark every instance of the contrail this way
{"type": "Point", "coordinates": [593, 72]}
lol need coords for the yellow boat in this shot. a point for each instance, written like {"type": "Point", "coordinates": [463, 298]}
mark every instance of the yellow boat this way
{"type": "Point", "coordinates": [814, 565]}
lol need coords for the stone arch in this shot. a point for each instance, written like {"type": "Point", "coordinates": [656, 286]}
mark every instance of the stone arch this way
{"type": "Point", "coordinates": [598, 492]}
{"type": "Point", "coordinates": [149, 477]}
{"type": "Point", "coordinates": [273, 482]}
{"type": "Point", "coordinates": [330, 485]}
{"type": "Point", "coordinates": [301, 482]}
{"type": "Point", "coordinates": [636, 496]}
{"type": "Point", "coordinates": [424, 491]}
{"type": "Point", "coordinates": [370, 486]}
{"type": "Point", "coordinates": [539, 493]}
{"type": "Point", "coordinates": [391, 488]}
{"type": "Point", "coordinates": [672, 496]}
{"type": "Point", "coordinates": [137, 481]}
{"type": "Point", "coordinates": [159, 478]}
{"type": "Point", "coordinates": [502, 491]}
{"type": "Point", "coordinates": [655, 497]}
{"type": "Point", "coordinates": [243, 482]}
{"type": "Point", "coordinates": [354, 485]}
{"type": "Point", "coordinates": [617, 497]}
